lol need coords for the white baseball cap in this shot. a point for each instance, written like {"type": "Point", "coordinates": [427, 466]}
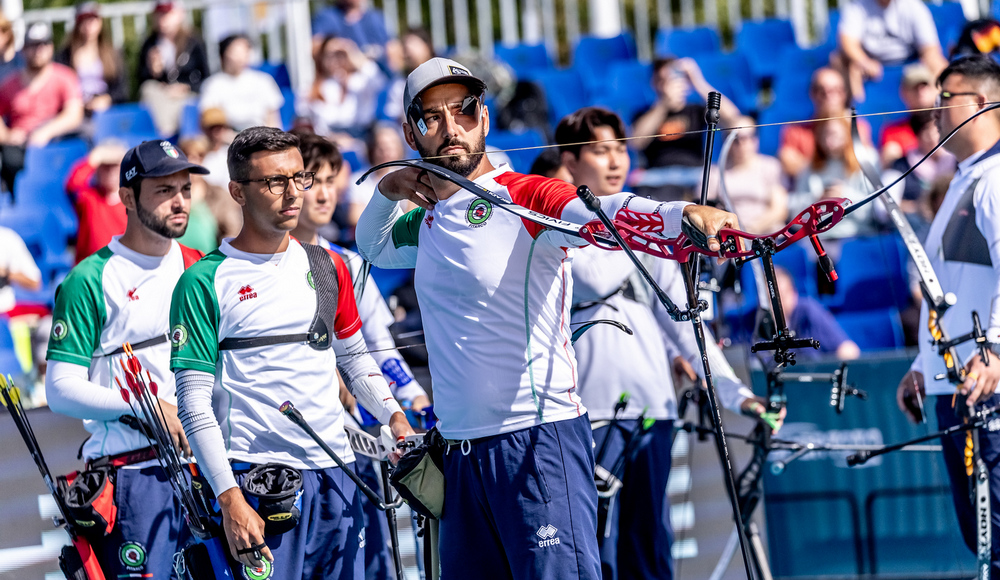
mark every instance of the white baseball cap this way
{"type": "Point", "coordinates": [439, 71]}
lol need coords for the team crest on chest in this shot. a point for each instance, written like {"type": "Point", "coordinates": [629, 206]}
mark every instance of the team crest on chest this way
{"type": "Point", "coordinates": [479, 211]}
{"type": "Point", "coordinates": [247, 292]}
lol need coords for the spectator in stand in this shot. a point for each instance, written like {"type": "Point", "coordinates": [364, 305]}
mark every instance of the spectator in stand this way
{"type": "Point", "coordinates": [658, 129]}
{"type": "Point", "coordinates": [384, 143]}
{"type": "Point", "coordinates": [359, 23]}
{"type": "Point", "coordinates": [10, 59]}
{"type": "Point", "coordinates": [203, 229]}
{"type": "Point", "coordinates": [38, 104]}
{"type": "Point", "coordinates": [17, 268]}
{"type": "Point", "coordinates": [808, 318]}
{"type": "Point", "coordinates": [248, 97]}
{"type": "Point", "coordinates": [753, 182]}
{"type": "Point", "coordinates": [912, 190]}
{"type": "Point", "coordinates": [215, 126]}
{"type": "Point", "coordinates": [829, 96]}
{"type": "Point", "coordinates": [549, 164]}
{"type": "Point", "coordinates": [918, 92]}
{"type": "Point", "coordinates": [878, 33]}
{"type": "Point", "coordinates": [417, 49]}
{"type": "Point", "coordinates": [835, 172]}
{"type": "Point", "coordinates": [93, 187]}
{"type": "Point", "coordinates": [98, 65]}
{"type": "Point", "coordinates": [344, 94]}
{"type": "Point", "coordinates": [172, 66]}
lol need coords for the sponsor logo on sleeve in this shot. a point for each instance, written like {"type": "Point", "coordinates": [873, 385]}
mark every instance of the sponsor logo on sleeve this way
{"type": "Point", "coordinates": [178, 335]}
{"type": "Point", "coordinates": [479, 211]}
{"type": "Point", "coordinates": [60, 329]}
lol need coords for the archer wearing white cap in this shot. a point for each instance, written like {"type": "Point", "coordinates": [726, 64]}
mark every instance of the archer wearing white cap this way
{"type": "Point", "coordinates": [494, 293]}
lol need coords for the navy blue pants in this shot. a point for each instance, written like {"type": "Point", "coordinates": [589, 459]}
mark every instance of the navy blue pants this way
{"type": "Point", "coordinates": [954, 460]}
{"type": "Point", "coordinates": [149, 529]}
{"type": "Point", "coordinates": [378, 555]}
{"type": "Point", "coordinates": [329, 540]}
{"type": "Point", "coordinates": [522, 505]}
{"type": "Point", "coordinates": [636, 540]}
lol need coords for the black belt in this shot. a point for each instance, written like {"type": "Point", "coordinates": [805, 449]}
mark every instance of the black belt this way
{"type": "Point", "coordinates": [123, 459]}
{"type": "Point", "coordinates": [144, 344]}
{"type": "Point", "coordinates": [234, 343]}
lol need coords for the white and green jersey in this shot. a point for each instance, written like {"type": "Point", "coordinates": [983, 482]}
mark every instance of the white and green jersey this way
{"type": "Point", "coordinates": [116, 296]}
{"type": "Point", "coordinates": [236, 294]}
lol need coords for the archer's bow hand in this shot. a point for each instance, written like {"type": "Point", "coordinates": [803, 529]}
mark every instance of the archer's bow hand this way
{"type": "Point", "coordinates": [756, 408]}
{"type": "Point", "coordinates": [709, 221]}
{"type": "Point", "coordinates": [409, 184]}
{"type": "Point", "coordinates": [981, 378]}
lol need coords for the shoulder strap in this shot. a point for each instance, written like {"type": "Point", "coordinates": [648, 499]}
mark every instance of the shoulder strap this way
{"type": "Point", "coordinates": [962, 241]}
{"type": "Point", "coordinates": [323, 279]}
{"type": "Point", "coordinates": [190, 255]}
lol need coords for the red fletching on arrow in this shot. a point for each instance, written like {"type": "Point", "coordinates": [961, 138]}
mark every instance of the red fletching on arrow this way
{"type": "Point", "coordinates": [123, 391]}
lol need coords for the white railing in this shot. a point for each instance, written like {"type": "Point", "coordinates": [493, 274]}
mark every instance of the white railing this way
{"type": "Point", "coordinates": [281, 28]}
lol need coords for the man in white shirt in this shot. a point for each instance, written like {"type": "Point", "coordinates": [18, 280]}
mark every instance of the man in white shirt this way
{"type": "Point", "coordinates": [494, 293]}
{"type": "Point", "coordinates": [258, 322]}
{"type": "Point", "coordinates": [635, 543]}
{"type": "Point", "coordinates": [248, 97]}
{"type": "Point", "coordinates": [17, 268]}
{"type": "Point", "coordinates": [963, 245]}
{"type": "Point", "coordinates": [121, 294]}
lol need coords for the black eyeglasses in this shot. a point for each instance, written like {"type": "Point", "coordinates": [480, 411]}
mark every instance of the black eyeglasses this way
{"type": "Point", "coordinates": [945, 95]}
{"type": "Point", "coordinates": [278, 184]}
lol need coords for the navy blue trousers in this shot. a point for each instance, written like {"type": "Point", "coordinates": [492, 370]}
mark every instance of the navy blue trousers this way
{"type": "Point", "coordinates": [954, 460]}
{"type": "Point", "coordinates": [378, 555]}
{"type": "Point", "coordinates": [636, 540]}
{"type": "Point", "coordinates": [522, 505]}
{"type": "Point", "coordinates": [329, 540]}
{"type": "Point", "coordinates": [149, 528]}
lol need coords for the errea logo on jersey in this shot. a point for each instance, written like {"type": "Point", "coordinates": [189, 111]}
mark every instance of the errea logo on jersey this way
{"type": "Point", "coordinates": [548, 537]}
{"type": "Point", "coordinates": [247, 292]}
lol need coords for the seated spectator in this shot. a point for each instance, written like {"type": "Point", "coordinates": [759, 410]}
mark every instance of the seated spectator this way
{"type": "Point", "coordinates": [753, 182]}
{"type": "Point", "coordinates": [98, 65]}
{"type": "Point", "coordinates": [38, 104]}
{"type": "Point", "coordinates": [911, 191]}
{"type": "Point", "coordinates": [203, 229]}
{"type": "Point", "coordinates": [416, 50]}
{"type": "Point", "coordinates": [93, 187]}
{"type": "Point", "coordinates": [549, 164]}
{"type": "Point", "coordinates": [248, 97]}
{"type": "Point", "coordinates": [918, 92]}
{"type": "Point", "coordinates": [835, 172]}
{"type": "Point", "coordinates": [172, 66]}
{"type": "Point", "coordinates": [354, 20]}
{"type": "Point", "coordinates": [384, 143]}
{"type": "Point", "coordinates": [344, 94]}
{"type": "Point", "coordinates": [878, 33]}
{"type": "Point", "coordinates": [17, 268]}
{"type": "Point", "coordinates": [829, 97]}
{"type": "Point", "coordinates": [10, 59]}
{"type": "Point", "coordinates": [807, 318]}
{"type": "Point", "coordinates": [658, 130]}
{"type": "Point", "coordinates": [215, 127]}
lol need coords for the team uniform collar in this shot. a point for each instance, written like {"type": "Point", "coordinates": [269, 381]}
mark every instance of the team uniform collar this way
{"type": "Point", "coordinates": [143, 260]}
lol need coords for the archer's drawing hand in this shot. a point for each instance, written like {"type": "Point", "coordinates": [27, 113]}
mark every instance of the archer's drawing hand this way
{"type": "Point", "coordinates": [906, 395]}
{"type": "Point", "coordinates": [409, 184]}
{"type": "Point", "coordinates": [756, 407]}
{"type": "Point", "coordinates": [243, 527]}
{"type": "Point", "coordinates": [981, 379]}
{"type": "Point", "coordinates": [709, 221]}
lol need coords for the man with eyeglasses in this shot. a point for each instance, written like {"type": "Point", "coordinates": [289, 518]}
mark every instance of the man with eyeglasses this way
{"type": "Point", "coordinates": [494, 293]}
{"type": "Point", "coordinates": [963, 245]}
{"type": "Point", "coordinates": [244, 335]}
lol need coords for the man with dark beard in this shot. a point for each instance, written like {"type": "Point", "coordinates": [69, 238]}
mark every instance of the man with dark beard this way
{"type": "Point", "coordinates": [122, 294]}
{"type": "Point", "coordinates": [494, 294]}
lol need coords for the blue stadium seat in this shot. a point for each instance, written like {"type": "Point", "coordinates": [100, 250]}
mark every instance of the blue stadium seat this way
{"type": "Point", "coordinates": [873, 276]}
{"type": "Point", "coordinates": [564, 92]}
{"type": "Point", "coordinates": [190, 121]}
{"type": "Point", "coordinates": [287, 111]}
{"type": "Point", "coordinates": [130, 123]}
{"type": "Point", "coordinates": [625, 89]}
{"type": "Point", "coordinates": [759, 41]}
{"type": "Point", "coordinates": [524, 58]}
{"type": "Point", "coordinates": [833, 24]}
{"type": "Point", "coordinates": [46, 192]}
{"type": "Point", "coordinates": [798, 64]}
{"type": "Point", "coordinates": [769, 135]}
{"type": "Point", "coordinates": [796, 261]}
{"type": "Point", "coordinates": [8, 359]}
{"type": "Point", "coordinates": [279, 72]}
{"type": "Point", "coordinates": [949, 18]}
{"type": "Point", "coordinates": [521, 160]}
{"type": "Point", "coordinates": [687, 41]}
{"type": "Point", "coordinates": [882, 96]}
{"type": "Point", "coordinates": [730, 75]}
{"type": "Point", "coordinates": [592, 52]}
{"type": "Point", "coordinates": [351, 159]}
{"type": "Point", "coordinates": [878, 329]}
{"type": "Point", "coordinates": [56, 158]}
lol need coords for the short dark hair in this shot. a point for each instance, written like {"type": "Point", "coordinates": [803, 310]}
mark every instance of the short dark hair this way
{"type": "Point", "coordinates": [255, 140]}
{"type": "Point", "coordinates": [317, 150]}
{"type": "Point", "coordinates": [227, 41]}
{"type": "Point", "coordinates": [919, 121]}
{"type": "Point", "coordinates": [979, 68]}
{"type": "Point", "coordinates": [662, 61]}
{"type": "Point", "coordinates": [421, 33]}
{"type": "Point", "coordinates": [547, 163]}
{"type": "Point", "coordinates": [581, 126]}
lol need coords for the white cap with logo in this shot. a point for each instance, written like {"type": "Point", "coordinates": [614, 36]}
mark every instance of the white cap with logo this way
{"type": "Point", "coordinates": [438, 71]}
